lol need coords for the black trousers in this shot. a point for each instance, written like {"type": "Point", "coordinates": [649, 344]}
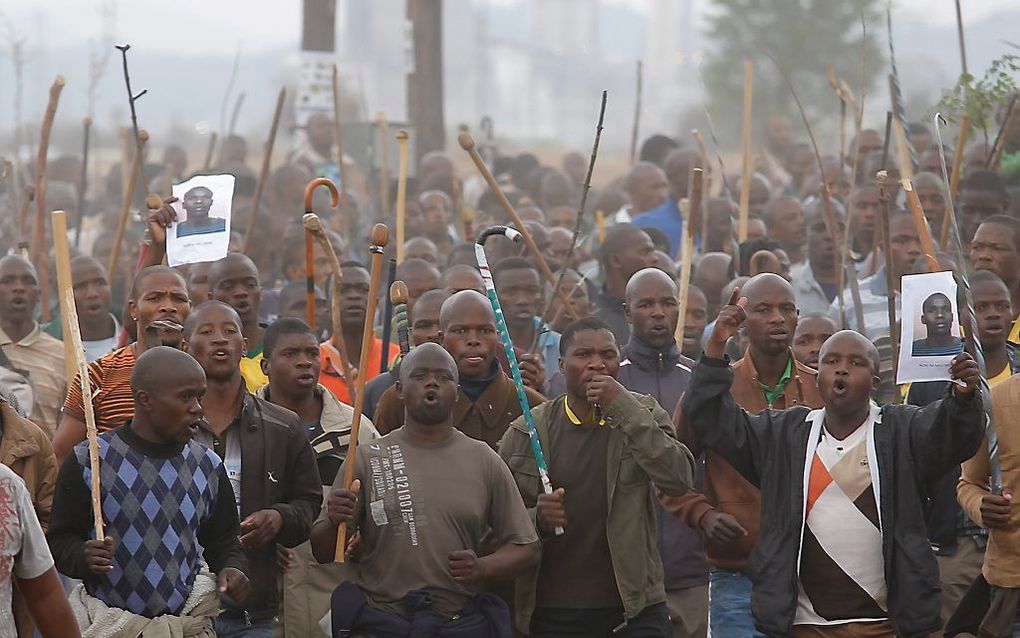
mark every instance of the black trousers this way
{"type": "Point", "coordinates": [652, 622]}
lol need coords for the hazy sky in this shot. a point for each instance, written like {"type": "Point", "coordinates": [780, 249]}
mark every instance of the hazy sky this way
{"type": "Point", "coordinates": [219, 26]}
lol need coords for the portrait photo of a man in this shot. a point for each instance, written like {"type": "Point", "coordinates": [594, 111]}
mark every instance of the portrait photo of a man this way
{"type": "Point", "coordinates": [937, 319]}
{"type": "Point", "coordinates": [196, 203]}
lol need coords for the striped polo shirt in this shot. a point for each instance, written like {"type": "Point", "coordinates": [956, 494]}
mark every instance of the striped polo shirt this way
{"type": "Point", "coordinates": [110, 380]}
{"type": "Point", "coordinates": [42, 357]}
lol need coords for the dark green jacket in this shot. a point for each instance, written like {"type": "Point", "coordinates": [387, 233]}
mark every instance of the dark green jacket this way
{"type": "Point", "coordinates": [642, 449]}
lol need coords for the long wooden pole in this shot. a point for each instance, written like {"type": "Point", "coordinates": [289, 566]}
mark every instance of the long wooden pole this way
{"type": "Point", "coordinates": [313, 226]}
{"type": "Point", "coordinates": [959, 35]}
{"type": "Point", "coordinates": [745, 179]}
{"type": "Point", "coordinates": [38, 250]}
{"type": "Point", "coordinates": [401, 194]}
{"type": "Point", "coordinates": [125, 208]}
{"type": "Point", "coordinates": [83, 185]}
{"type": "Point", "coordinates": [693, 209]}
{"type": "Point", "coordinates": [637, 115]}
{"type": "Point", "coordinates": [384, 164]}
{"type": "Point", "coordinates": [267, 156]}
{"type": "Point", "coordinates": [380, 237]}
{"type": "Point", "coordinates": [64, 282]}
{"type": "Point", "coordinates": [27, 196]}
{"type": "Point", "coordinates": [347, 219]}
{"type": "Point", "coordinates": [917, 212]}
{"type": "Point", "coordinates": [890, 278]}
{"type": "Point", "coordinates": [468, 144]}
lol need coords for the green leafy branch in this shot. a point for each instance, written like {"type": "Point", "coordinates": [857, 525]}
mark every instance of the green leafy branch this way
{"type": "Point", "coordinates": [979, 99]}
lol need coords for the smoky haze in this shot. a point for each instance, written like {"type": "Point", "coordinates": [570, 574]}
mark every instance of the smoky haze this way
{"type": "Point", "coordinates": [535, 66]}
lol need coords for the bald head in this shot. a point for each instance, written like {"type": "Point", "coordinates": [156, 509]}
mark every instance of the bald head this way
{"type": "Point", "coordinates": [461, 303]}
{"type": "Point", "coordinates": [162, 368]}
{"type": "Point", "coordinates": [853, 340]}
{"type": "Point", "coordinates": [678, 167]}
{"type": "Point", "coordinates": [766, 285]}
{"type": "Point", "coordinates": [646, 186]}
{"type": "Point", "coordinates": [16, 262]}
{"type": "Point", "coordinates": [202, 311]}
{"type": "Point", "coordinates": [231, 266]}
{"type": "Point", "coordinates": [462, 277]}
{"type": "Point", "coordinates": [647, 279]}
{"type": "Point", "coordinates": [428, 355]}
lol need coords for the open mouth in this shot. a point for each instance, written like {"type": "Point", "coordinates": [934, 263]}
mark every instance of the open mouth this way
{"type": "Point", "coordinates": [221, 354]}
{"type": "Point", "coordinates": [19, 303]}
{"type": "Point", "coordinates": [305, 378]}
{"type": "Point", "coordinates": [839, 387]}
{"type": "Point", "coordinates": [431, 397]}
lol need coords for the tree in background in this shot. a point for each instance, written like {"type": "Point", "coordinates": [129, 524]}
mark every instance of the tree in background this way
{"type": "Point", "coordinates": [805, 36]}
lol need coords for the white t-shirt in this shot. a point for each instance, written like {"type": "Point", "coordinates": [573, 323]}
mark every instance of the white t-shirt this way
{"type": "Point", "coordinates": [23, 549]}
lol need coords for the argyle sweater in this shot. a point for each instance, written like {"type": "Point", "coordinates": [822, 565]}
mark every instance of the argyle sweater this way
{"type": "Point", "coordinates": [162, 505]}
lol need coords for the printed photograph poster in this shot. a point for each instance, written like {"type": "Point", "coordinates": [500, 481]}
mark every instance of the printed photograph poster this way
{"type": "Point", "coordinates": [930, 334]}
{"type": "Point", "coordinates": [202, 230]}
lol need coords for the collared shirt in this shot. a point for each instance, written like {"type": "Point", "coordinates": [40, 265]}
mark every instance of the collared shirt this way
{"type": "Point", "coordinates": [42, 357]}
{"type": "Point", "coordinates": [332, 375]}
{"type": "Point", "coordinates": [228, 447]}
{"type": "Point", "coordinates": [810, 295]}
{"type": "Point", "coordinates": [251, 369]}
{"type": "Point", "coordinates": [771, 394]}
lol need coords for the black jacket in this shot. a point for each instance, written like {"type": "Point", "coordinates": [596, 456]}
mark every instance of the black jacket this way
{"type": "Point", "coordinates": [664, 374]}
{"type": "Point", "coordinates": [278, 471]}
{"type": "Point", "coordinates": [914, 447]}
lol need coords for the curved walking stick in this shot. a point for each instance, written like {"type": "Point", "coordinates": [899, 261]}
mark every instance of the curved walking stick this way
{"type": "Point", "coordinates": [380, 237]}
{"type": "Point", "coordinates": [468, 144]}
{"type": "Point", "coordinates": [504, 336]}
{"type": "Point", "coordinates": [334, 197]}
{"type": "Point", "coordinates": [398, 297]}
{"type": "Point", "coordinates": [313, 228]}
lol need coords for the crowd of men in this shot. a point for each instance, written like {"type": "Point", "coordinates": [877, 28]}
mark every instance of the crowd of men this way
{"type": "Point", "coordinates": [749, 468]}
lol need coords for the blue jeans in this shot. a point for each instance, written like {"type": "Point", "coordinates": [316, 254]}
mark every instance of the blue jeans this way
{"type": "Point", "coordinates": [730, 605]}
{"type": "Point", "coordinates": [236, 624]}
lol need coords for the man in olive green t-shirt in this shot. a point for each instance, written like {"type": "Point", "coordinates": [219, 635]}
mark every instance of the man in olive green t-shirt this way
{"type": "Point", "coordinates": [424, 497]}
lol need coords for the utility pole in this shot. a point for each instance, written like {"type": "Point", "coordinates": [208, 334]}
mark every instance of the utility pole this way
{"type": "Point", "coordinates": [425, 80]}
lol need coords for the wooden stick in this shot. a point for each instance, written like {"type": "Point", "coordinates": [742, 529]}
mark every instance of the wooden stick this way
{"type": "Point", "coordinates": [267, 157]}
{"type": "Point", "coordinates": [401, 194]}
{"type": "Point", "coordinates": [380, 237]}
{"type": "Point", "coordinates": [338, 138]}
{"type": "Point", "coordinates": [38, 250]}
{"type": "Point", "coordinates": [125, 209]}
{"type": "Point", "coordinates": [64, 282]}
{"type": "Point", "coordinates": [693, 207]}
{"type": "Point", "coordinates": [927, 245]}
{"type": "Point", "coordinates": [637, 116]}
{"type": "Point", "coordinates": [384, 164]}
{"type": "Point", "coordinates": [699, 139]}
{"type": "Point", "coordinates": [313, 228]}
{"type": "Point", "coordinates": [207, 164]}
{"type": "Point", "coordinates": [890, 281]}
{"type": "Point", "coordinates": [91, 433]}
{"type": "Point", "coordinates": [959, 34]}
{"type": "Point", "coordinates": [995, 155]}
{"type": "Point", "coordinates": [84, 181]}
{"type": "Point", "coordinates": [398, 297]}
{"type": "Point", "coordinates": [26, 200]}
{"type": "Point", "coordinates": [600, 226]}
{"type": "Point", "coordinates": [334, 197]}
{"type": "Point", "coordinates": [124, 144]}
{"type": "Point", "coordinates": [961, 141]}
{"type": "Point", "coordinates": [745, 180]}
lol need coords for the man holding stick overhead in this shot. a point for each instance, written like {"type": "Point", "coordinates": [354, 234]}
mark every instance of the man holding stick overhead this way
{"type": "Point", "coordinates": [150, 563]}
{"type": "Point", "coordinates": [424, 498]}
{"type": "Point", "coordinates": [609, 445]}
{"type": "Point", "coordinates": [843, 550]}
